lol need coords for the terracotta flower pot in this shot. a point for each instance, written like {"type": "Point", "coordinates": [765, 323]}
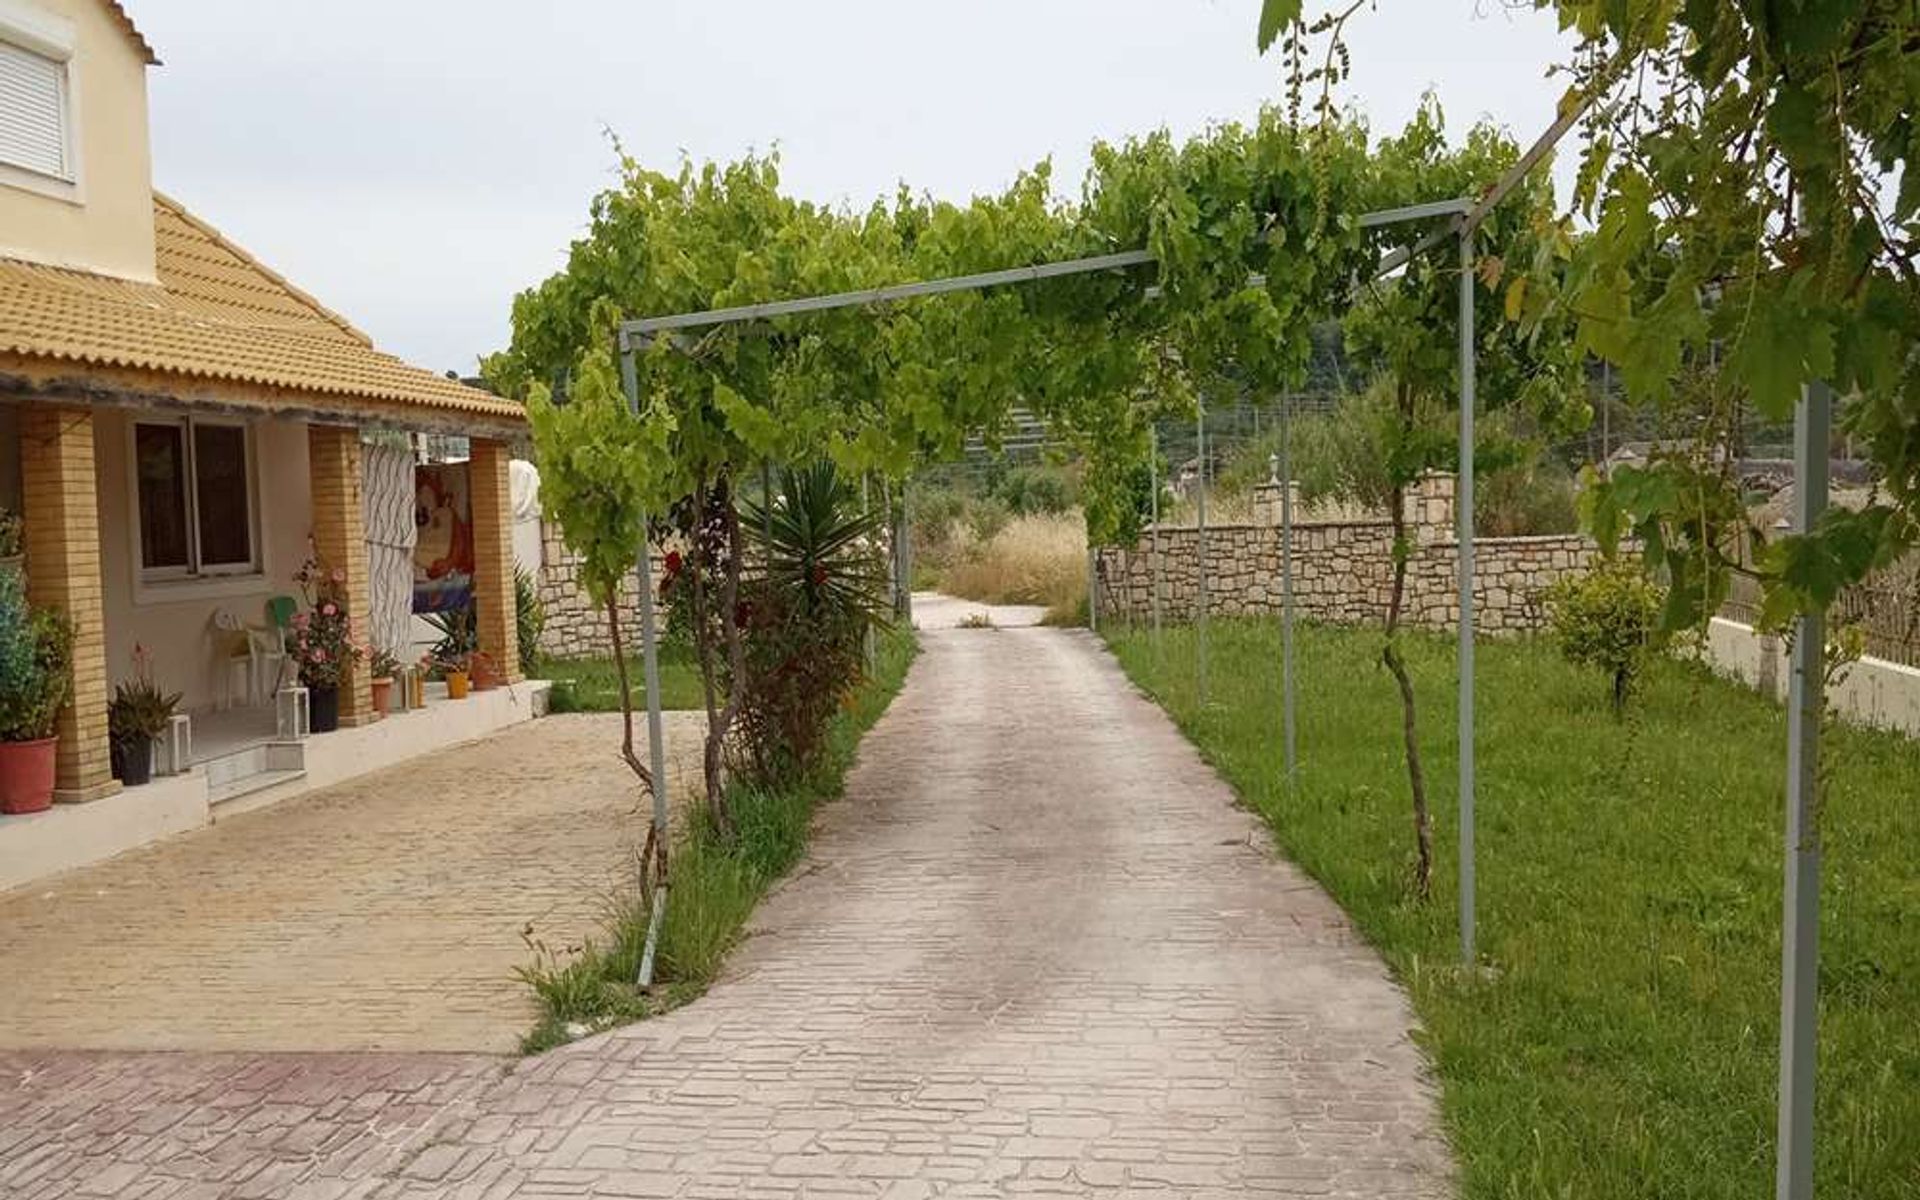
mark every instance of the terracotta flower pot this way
{"type": "Point", "coordinates": [26, 776]}
{"type": "Point", "coordinates": [382, 696]}
{"type": "Point", "coordinates": [457, 685]}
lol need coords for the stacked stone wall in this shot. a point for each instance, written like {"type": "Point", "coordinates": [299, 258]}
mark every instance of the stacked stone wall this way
{"type": "Point", "coordinates": [1342, 571]}
{"type": "Point", "coordinates": [577, 628]}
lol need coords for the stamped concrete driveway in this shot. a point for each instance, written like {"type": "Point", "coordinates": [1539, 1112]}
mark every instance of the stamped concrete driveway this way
{"type": "Point", "coordinates": [382, 914]}
{"type": "Point", "coordinates": [1036, 950]}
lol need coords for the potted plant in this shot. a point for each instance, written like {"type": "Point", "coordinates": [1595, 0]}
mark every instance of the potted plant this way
{"type": "Point", "coordinates": [323, 642]}
{"type": "Point", "coordinates": [36, 676]}
{"type": "Point", "coordinates": [13, 536]}
{"type": "Point", "coordinates": [454, 671]}
{"type": "Point", "coordinates": [485, 673]}
{"type": "Point", "coordinates": [454, 653]}
{"type": "Point", "coordinates": [383, 663]}
{"type": "Point", "coordinates": [138, 714]}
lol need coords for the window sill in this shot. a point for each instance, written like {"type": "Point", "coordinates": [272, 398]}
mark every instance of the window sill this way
{"type": "Point", "coordinates": [148, 592]}
{"type": "Point", "coordinates": [51, 186]}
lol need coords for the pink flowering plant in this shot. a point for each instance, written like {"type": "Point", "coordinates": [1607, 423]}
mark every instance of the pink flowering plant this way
{"type": "Point", "coordinates": [323, 638]}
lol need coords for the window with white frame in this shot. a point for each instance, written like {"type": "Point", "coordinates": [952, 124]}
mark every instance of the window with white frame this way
{"type": "Point", "coordinates": [193, 482]}
{"type": "Point", "coordinates": [36, 111]}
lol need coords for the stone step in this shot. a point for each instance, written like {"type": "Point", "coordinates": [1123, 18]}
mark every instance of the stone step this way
{"type": "Point", "coordinates": [251, 791]}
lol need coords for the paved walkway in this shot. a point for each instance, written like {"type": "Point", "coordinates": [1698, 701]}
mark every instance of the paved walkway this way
{"type": "Point", "coordinates": [382, 914]}
{"type": "Point", "coordinates": [1034, 951]}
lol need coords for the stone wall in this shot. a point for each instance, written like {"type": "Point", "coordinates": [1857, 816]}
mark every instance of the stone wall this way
{"type": "Point", "coordinates": [1342, 571]}
{"type": "Point", "coordinates": [575, 627]}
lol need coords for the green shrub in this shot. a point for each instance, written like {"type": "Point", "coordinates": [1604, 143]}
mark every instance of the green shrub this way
{"type": "Point", "coordinates": [529, 619]}
{"type": "Point", "coordinates": [13, 532]}
{"type": "Point", "coordinates": [36, 661]}
{"type": "Point", "coordinates": [1608, 619]}
{"type": "Point", "coordinates": [1525, 501]}
{"type": "Point", "coordinates": [935, 511]}
{"type": "Point", "coordinates": [805, 623]}
{"type": "Point", "coordinates": [986, 517]}
{"type": "Point", "coordinates": [1026, 491]}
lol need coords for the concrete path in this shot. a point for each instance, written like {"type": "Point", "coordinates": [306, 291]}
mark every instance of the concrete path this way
{"type": "Point", "coordinates": [931, 611]}
{"type": "Point", "coordinates": [1034, 951]}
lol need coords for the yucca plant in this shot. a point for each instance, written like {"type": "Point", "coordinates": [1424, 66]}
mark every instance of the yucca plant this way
{"type": "Point", "coordinates": [821, 542]}
{"type": "Point", "coordinates": [805, 617]}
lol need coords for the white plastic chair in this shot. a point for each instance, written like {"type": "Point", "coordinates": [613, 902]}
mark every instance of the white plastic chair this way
{"type": "Point", "coordinates": [257, 671]}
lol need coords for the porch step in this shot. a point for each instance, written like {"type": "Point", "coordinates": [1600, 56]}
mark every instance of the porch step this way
{"type": "Point", "coordinates": [247, 777]}
{"type": "Point", "coordinates": [250, 791]}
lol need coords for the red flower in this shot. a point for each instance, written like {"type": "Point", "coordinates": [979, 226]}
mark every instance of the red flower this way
{"type": "Point", "coordinates": [818, 575]}
{"type": "Point", "coordinates": [673, 563]}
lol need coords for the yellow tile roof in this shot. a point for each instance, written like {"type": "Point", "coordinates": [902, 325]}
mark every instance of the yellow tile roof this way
{"type": "Point", "coordinates": [139, 39]}
{"type": "Point", "coordinates": [217, 314]}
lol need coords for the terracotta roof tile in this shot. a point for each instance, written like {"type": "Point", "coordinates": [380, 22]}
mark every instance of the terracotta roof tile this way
{"type": "Point", "coordinates": [216, 314]}
{"type": "Point", "coordinates": [126, 22]}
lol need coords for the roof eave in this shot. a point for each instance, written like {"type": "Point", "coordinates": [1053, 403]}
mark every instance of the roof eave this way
{"type": "Point", "coordinates": [59, 381]}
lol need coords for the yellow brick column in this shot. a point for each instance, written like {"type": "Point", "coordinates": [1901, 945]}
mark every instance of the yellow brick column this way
{"type": "Point", "coordinates": [63, 572]}
{"type": "Point", "coordinates": [492, 499]}
{"type": "Point", "coordinates": [340, 539]}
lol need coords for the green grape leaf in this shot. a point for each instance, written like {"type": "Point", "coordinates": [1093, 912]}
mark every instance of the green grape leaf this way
{"type": "Point", "coordinates": [1276, 15]}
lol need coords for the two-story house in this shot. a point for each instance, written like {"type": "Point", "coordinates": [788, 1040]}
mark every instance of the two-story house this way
{"type": "Point", "coordinates": [179, 424]}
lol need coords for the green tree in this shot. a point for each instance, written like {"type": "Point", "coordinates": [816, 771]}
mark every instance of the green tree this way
{"type": "Point", "coordinates": [1751, 172]}
{"type": "Point", "coordinates": [1404, 333]}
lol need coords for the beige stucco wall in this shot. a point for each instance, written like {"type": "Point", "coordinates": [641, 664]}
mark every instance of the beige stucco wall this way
{"type": "Point", "coordinates": [178, 631]}
{"type": "Point", "coordinates": [110, 227]}
{"type": "Point", "coordinates": [1872, 691]}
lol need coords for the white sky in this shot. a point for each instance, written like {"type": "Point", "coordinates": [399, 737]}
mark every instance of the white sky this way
{"type": "Point", "coordinates": [415, 164]}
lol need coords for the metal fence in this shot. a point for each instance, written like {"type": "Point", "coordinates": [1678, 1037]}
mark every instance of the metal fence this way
{"type": "Point", "coordinates": [1885, 607]}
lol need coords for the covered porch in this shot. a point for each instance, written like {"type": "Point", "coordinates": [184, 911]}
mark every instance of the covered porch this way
{"type": "Point", "coordinates": [156, 530]}
{"type": "Point", "coordinates": [166, 532]}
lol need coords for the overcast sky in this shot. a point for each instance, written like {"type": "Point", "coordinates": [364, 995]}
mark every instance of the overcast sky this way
{"type": "Point", "coordinates": [415, 164]}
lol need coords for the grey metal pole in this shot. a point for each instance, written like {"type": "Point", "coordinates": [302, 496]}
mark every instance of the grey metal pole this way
{"type": "Point", "coordinates": [906, 552]}
{"type": "Point", "coordinates": [1800, 915]}
{"type": "Point", "coordinates": [656, 728]}
{"type": "Point", "coordinates": [1093, 588]}
{"type": "Point", "coordinates": [1606, 411]}
{"type": "Point", "coordinates": [867, 639]}
{"type": "Point", "coordinates": [1463, 519]}
{"type": "Point", "coordinates": [766, 508]}
{"type": "Point", "coordinates": [657, 758]}
{"type": "Point", "coordinates": [898, 551]}
{"type": "Point", "coordinates": [1286, 585]}
{"type": "Point", "coordinates": [1153, 477]}
{"type": "Point", "coordinates": [1200, 576]}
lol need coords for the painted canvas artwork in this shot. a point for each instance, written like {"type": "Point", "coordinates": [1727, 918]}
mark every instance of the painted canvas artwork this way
{"type": "Point", "coordinates": [443, 553]}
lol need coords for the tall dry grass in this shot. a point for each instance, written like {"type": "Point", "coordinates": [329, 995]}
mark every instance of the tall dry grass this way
{"type": "Point", "coordinates": [1031, 560]}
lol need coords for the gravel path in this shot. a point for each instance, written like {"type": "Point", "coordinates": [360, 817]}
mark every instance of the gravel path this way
{"type": "Point", "coordinates": [1036, 950]}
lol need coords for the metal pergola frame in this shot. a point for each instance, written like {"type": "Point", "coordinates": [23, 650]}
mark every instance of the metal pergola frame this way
{"type": "Point", "coordinates": [1800, 917]}
{"type": "Point", "coordinates": [1463, 216]}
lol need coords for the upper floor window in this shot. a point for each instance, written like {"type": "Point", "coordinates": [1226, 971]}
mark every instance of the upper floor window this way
{"type": "Point", "coordinates": [39, 103]}
{"type": "Point", "coordinates": [34, 112]}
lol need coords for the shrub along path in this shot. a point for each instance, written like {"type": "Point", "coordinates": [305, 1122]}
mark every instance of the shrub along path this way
{"type": "Point", "coordinates": [1034, 950]}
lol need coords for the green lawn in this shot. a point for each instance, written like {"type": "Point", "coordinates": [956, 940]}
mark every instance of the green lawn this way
{"type": "Point", "coordinates": [591, 685]}
{"type": "Point", "coordinates": [1623, 1042]}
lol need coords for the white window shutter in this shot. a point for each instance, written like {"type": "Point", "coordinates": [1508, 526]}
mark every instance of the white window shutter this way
{"type": "Point", "coordinates": [33, 112]}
